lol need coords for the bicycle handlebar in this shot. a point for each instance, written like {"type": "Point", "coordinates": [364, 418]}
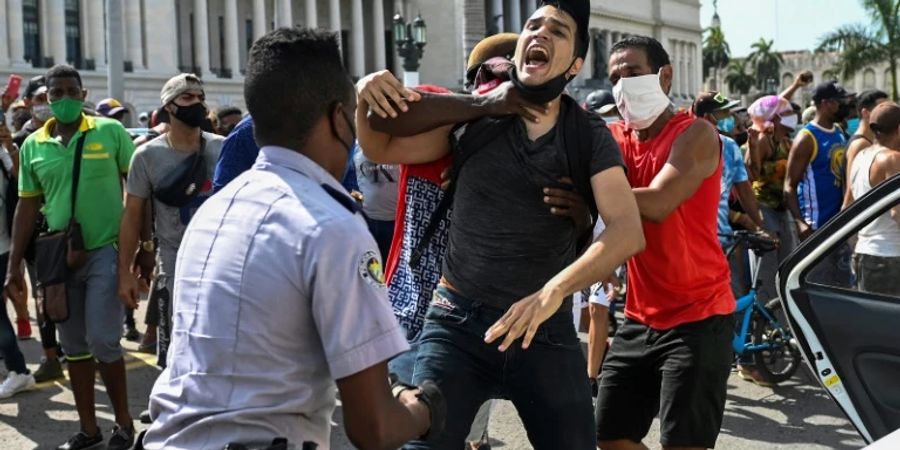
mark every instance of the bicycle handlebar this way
{"type": "Point", "coordinates": [755, 241]}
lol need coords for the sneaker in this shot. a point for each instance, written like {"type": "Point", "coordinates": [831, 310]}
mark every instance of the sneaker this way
{"type": "Point", "coordinates": [23, 329]}
{"type": "Point", "coordinates": [121, 439]}
{"type": "Point", "coordinates": [50, 369]}
{"type": "Point", "coordinates": [145, 417]}
{"type": "Point", "coordinates": [81, 441]}
{"type": "Point", "coordinates": [15, 383]}
{"type": "Point", "coordinates": [132, 334]}
{"type": "Point", "coordinates": [147, 347]}
{"type": "Point", "coordinates": [753, 375]}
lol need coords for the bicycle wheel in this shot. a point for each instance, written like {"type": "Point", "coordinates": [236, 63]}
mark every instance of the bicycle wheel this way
{"type": "Point", "coordinates": [779, 362]}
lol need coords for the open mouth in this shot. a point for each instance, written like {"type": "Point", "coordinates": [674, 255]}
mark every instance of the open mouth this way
{"type": "Point", "coordinates": [536, 58]}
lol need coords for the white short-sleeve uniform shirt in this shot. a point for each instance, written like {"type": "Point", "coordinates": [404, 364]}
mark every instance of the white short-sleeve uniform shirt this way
{"type": "Point", "coordinates": [278, 292]}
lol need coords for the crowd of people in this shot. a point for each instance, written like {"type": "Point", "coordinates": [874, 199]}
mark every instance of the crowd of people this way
{"type": "Point", "coordinates": [508, 218]}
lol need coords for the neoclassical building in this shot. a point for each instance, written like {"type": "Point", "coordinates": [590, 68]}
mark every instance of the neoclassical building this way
{"type": "Point", "coordinates": [211, 38]}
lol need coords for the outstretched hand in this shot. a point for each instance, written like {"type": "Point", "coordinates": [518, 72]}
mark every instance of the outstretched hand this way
{"type": "Point", "coordinates": [505, 100]}
{"type": "Point", "coordinates": [524, 318]}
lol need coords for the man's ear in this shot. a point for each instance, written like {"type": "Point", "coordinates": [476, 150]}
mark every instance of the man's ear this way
{"type": "Point", "coordinates": [665, 78]}
{"type": "Point", "coordinates": [84, 94]}
{"type": "Point", "coordinates": [576, 67]}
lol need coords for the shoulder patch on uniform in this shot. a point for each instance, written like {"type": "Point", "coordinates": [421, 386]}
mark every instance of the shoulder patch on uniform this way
{"type": "Point", "coordinates": [370, 269]}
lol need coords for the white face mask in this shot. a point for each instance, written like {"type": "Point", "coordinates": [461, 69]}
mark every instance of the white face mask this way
{"type": "Point", "coordinates": [640, 100]}
{"type": "Point", "coordinates": [789, 121]}
{"type": "Point", "coordinates": [42, 112]}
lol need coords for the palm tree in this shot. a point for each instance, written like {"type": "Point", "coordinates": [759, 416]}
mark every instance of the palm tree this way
{"type": "Point", "coordinates": [739, 81]}
{"type": "Point", "coordinates": [863, 45]}
{"type": "Point", "coordinates": [716, 52]}
{"type": "Point", "coordinates": [766, 62]}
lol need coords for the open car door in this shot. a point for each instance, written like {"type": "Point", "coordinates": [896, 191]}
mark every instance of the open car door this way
{"type": "Point", "coordinates": [849, 337]}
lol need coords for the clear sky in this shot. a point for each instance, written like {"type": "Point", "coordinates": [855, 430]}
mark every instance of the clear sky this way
{"type": "Point", "coordinates": [793, 24]}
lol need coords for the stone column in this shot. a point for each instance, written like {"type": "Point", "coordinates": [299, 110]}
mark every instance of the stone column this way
{"type": "Point", "coordinates": [259, 18]}
{"type": "Point", "coordinates": [16, 32]}
{"type": "Point", "coordinates": [378, 31]}
{"type": "Point", "coordinates": [607, 44]}
{"type": "Point", "coordinates": [284, 16]}
{"type": "Point", "coordinates": [334, 18]}
{"type": "Point", "coordinates": [232, 53]}
{"type": "Point", "coordinates": [497, 10]}
{"type": "Point", "coordinates": [133, 42]}
{"type": "Point", "coordinates": [358, 57]}
{"type": "Point", "coordinates": [162, 50]}
{"type": "Point", "coordinates": [682, 58]}
{"type": "Point", "coordinates": [55, 24]}
{"type": "Point", "coordinates": [4, 44]}
{"type": "Point", "coordinates": [312, 15]}
{"type": "Point", "coordinates": [201, 39]}
{"type": "Point", "coordinates": [96, 29]}
{"type": "Point", "coordinates": [513, 19]}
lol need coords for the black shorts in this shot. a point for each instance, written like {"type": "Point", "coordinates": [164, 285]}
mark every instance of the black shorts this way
{"type": "Point", "coordinates": [681, 373]}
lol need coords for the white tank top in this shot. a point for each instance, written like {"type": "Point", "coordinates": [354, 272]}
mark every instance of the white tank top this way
{"type": "Point", "coordinates": [881, 237]}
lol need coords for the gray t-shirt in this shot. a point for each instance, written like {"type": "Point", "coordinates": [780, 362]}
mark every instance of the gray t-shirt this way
{"type": "Point", "coordinates": [150, 163]}
{"type": "Point", "coordinates": [378, 184]}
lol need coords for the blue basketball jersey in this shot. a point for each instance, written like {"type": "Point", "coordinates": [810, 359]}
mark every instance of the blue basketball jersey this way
{"type": "Point", "coordinates": [821, 192]}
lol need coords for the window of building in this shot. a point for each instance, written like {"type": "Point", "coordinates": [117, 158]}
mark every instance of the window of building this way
{"type": "Point", "coordinates": [869, 79]}
{"type": "Point", "coordinates": [787, 80]}
{"type": "Point", "coordinates": [73, 33]}
{"type": "Point", "coordinates": [32, 28]}
{"type": "Point", "coordinates": [248, 31]}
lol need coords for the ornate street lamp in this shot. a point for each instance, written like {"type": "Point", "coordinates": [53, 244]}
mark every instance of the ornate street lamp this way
{"type": "Point", "coordinates": [410, 39]}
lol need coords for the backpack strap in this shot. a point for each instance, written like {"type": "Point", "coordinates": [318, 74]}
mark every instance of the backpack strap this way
{"type": "Point", "coordinates": [465, 141]}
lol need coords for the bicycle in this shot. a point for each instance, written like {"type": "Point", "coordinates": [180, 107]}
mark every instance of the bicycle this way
{"type": "Point", "coordinates": [763, 327]}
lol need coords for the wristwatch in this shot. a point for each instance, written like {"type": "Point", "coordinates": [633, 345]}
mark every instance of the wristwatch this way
{"type": "Point", "coordinates": [148, 246]}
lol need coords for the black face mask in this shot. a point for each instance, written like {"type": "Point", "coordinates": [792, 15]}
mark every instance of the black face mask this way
{"type": "Point", "coordinates": [541, 93]}
{"type": "Point", "coordinates": [741, 138]}
{"type": "Point", "coordinates": [192, 116]}
{"type": "Point", "coordinates": [842, 112]}
{"type": "Point", "coordinates": [347, 146]}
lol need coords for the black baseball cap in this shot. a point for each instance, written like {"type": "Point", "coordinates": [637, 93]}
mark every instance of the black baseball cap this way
{"type": "Point", "coordinates": [34, 84]}
{"type": "Point", "coordinates": [710, 102]}
{"type": "Point", "coordinates": [580, 10]}
{"type": "Point", "coordinates": [830, 90]}
{"type": "Point", "coordinates": [600, 101]}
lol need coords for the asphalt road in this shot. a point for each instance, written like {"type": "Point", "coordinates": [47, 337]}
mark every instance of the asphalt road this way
{"type": "Point", "coordinates": [794, 415]}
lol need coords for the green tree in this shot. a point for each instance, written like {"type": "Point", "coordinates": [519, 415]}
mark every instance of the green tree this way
{"type": "Point", "coordinates": [739, 81]}
{"type": "Point", "coordinates": [765, 62]}
{"type": "Point", "coordinates": [716, 52]}
{"type": "Point", "coordinates": [863, 45]}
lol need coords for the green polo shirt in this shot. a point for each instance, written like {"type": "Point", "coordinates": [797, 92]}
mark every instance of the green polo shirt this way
{"type": "Point", "coordinates": [45, 168]}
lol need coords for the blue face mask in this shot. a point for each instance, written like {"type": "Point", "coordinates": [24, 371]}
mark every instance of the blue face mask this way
{"type": "Point", "coordinates": [852, 126]}
{"type": "Point", "coordinates": [726, 125]}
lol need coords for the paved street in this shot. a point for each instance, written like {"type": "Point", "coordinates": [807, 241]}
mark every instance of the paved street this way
{"type": "Point", "coordinates": [795, 415]}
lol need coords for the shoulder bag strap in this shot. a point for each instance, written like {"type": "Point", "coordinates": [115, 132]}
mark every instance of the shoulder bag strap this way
{"type": "Point", "coordinates": [76, 170]}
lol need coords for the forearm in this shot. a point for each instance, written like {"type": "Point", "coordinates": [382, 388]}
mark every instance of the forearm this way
{"type": "Point", "coordinates": [748, 202]}
{"type": "Point", "coordinates": [653, 204]}
{"type": "Point", "coordinates": [617, 243]}
{"type": "Point", "coordinates": [23, 229]}
{"type": "Point", "coordinates": [404, 419]}
{"type": "Point", "coordinates": [788, 93]}
{"type": "Point", "coordinates": [792, 203]}
{"type": "Point", "coordinates": [372, 143]}
{"type": "Point", "coordinates": [147, 221]}
{"type": "Point", "coordinates": [432, 111]}
{"type": "Point", "coordinates": [129, 234]}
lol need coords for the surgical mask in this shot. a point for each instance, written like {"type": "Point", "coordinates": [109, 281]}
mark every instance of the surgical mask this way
{"type": "Point", "coordinates": [349, 146]}
{"type": "Point", "coordinates": [66, 110]}
{"type": "Point", "coordinates": [640, 100]}
{"type": "Point", "coordinates": [611, 119]}
{"type": "Point", "coordinates": [726, 125]}
{"type": "Point", "coordinates": [192, 115]}
{"type": "Point", "coordinates": [541, 93]}
{"type": "Point", "coordinates": [42, 112]}
{"type": "Point", "coordinates": [741, 138]}
{"type": "Point", "coordinates": [789, 121]}
{"type": "Point", "coordinates": [852, 126]}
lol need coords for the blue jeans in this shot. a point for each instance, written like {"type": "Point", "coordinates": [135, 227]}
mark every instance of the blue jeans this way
{"type": "Point", "coordinates": [547, 383]}
{"type": "Point", "coordinates": [9, 345]}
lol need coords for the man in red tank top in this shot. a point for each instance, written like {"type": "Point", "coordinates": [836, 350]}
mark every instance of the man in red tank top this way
{"type": "Point", "coordinates": [673, 354]}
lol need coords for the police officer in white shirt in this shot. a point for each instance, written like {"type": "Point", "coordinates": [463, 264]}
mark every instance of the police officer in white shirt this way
{"type": "Point", "coordinates": [279, 287]}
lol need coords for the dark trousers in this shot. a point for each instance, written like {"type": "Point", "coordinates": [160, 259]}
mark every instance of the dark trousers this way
{"type": "Point", "coordinates": [46, 328]}
{"type": "Point", "coordinates": [9, 345]}
{"type": "Point", "coordinates": [383, 232]}
{"type": "Point", "coordinates": [547, 383]}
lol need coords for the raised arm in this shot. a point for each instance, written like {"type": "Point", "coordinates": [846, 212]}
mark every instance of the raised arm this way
{"type": "Point", "coordinates": [801, 80]}
{"type": "Point", "coordinates": [398, 111]}
{"type": "Point", "coordinates": [798, 160]}
{"type": "Point", "coordinates": [695, 156]}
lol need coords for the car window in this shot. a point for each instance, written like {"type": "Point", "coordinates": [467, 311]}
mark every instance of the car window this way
{"type": "Point", "coordinates": [867, 261]}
